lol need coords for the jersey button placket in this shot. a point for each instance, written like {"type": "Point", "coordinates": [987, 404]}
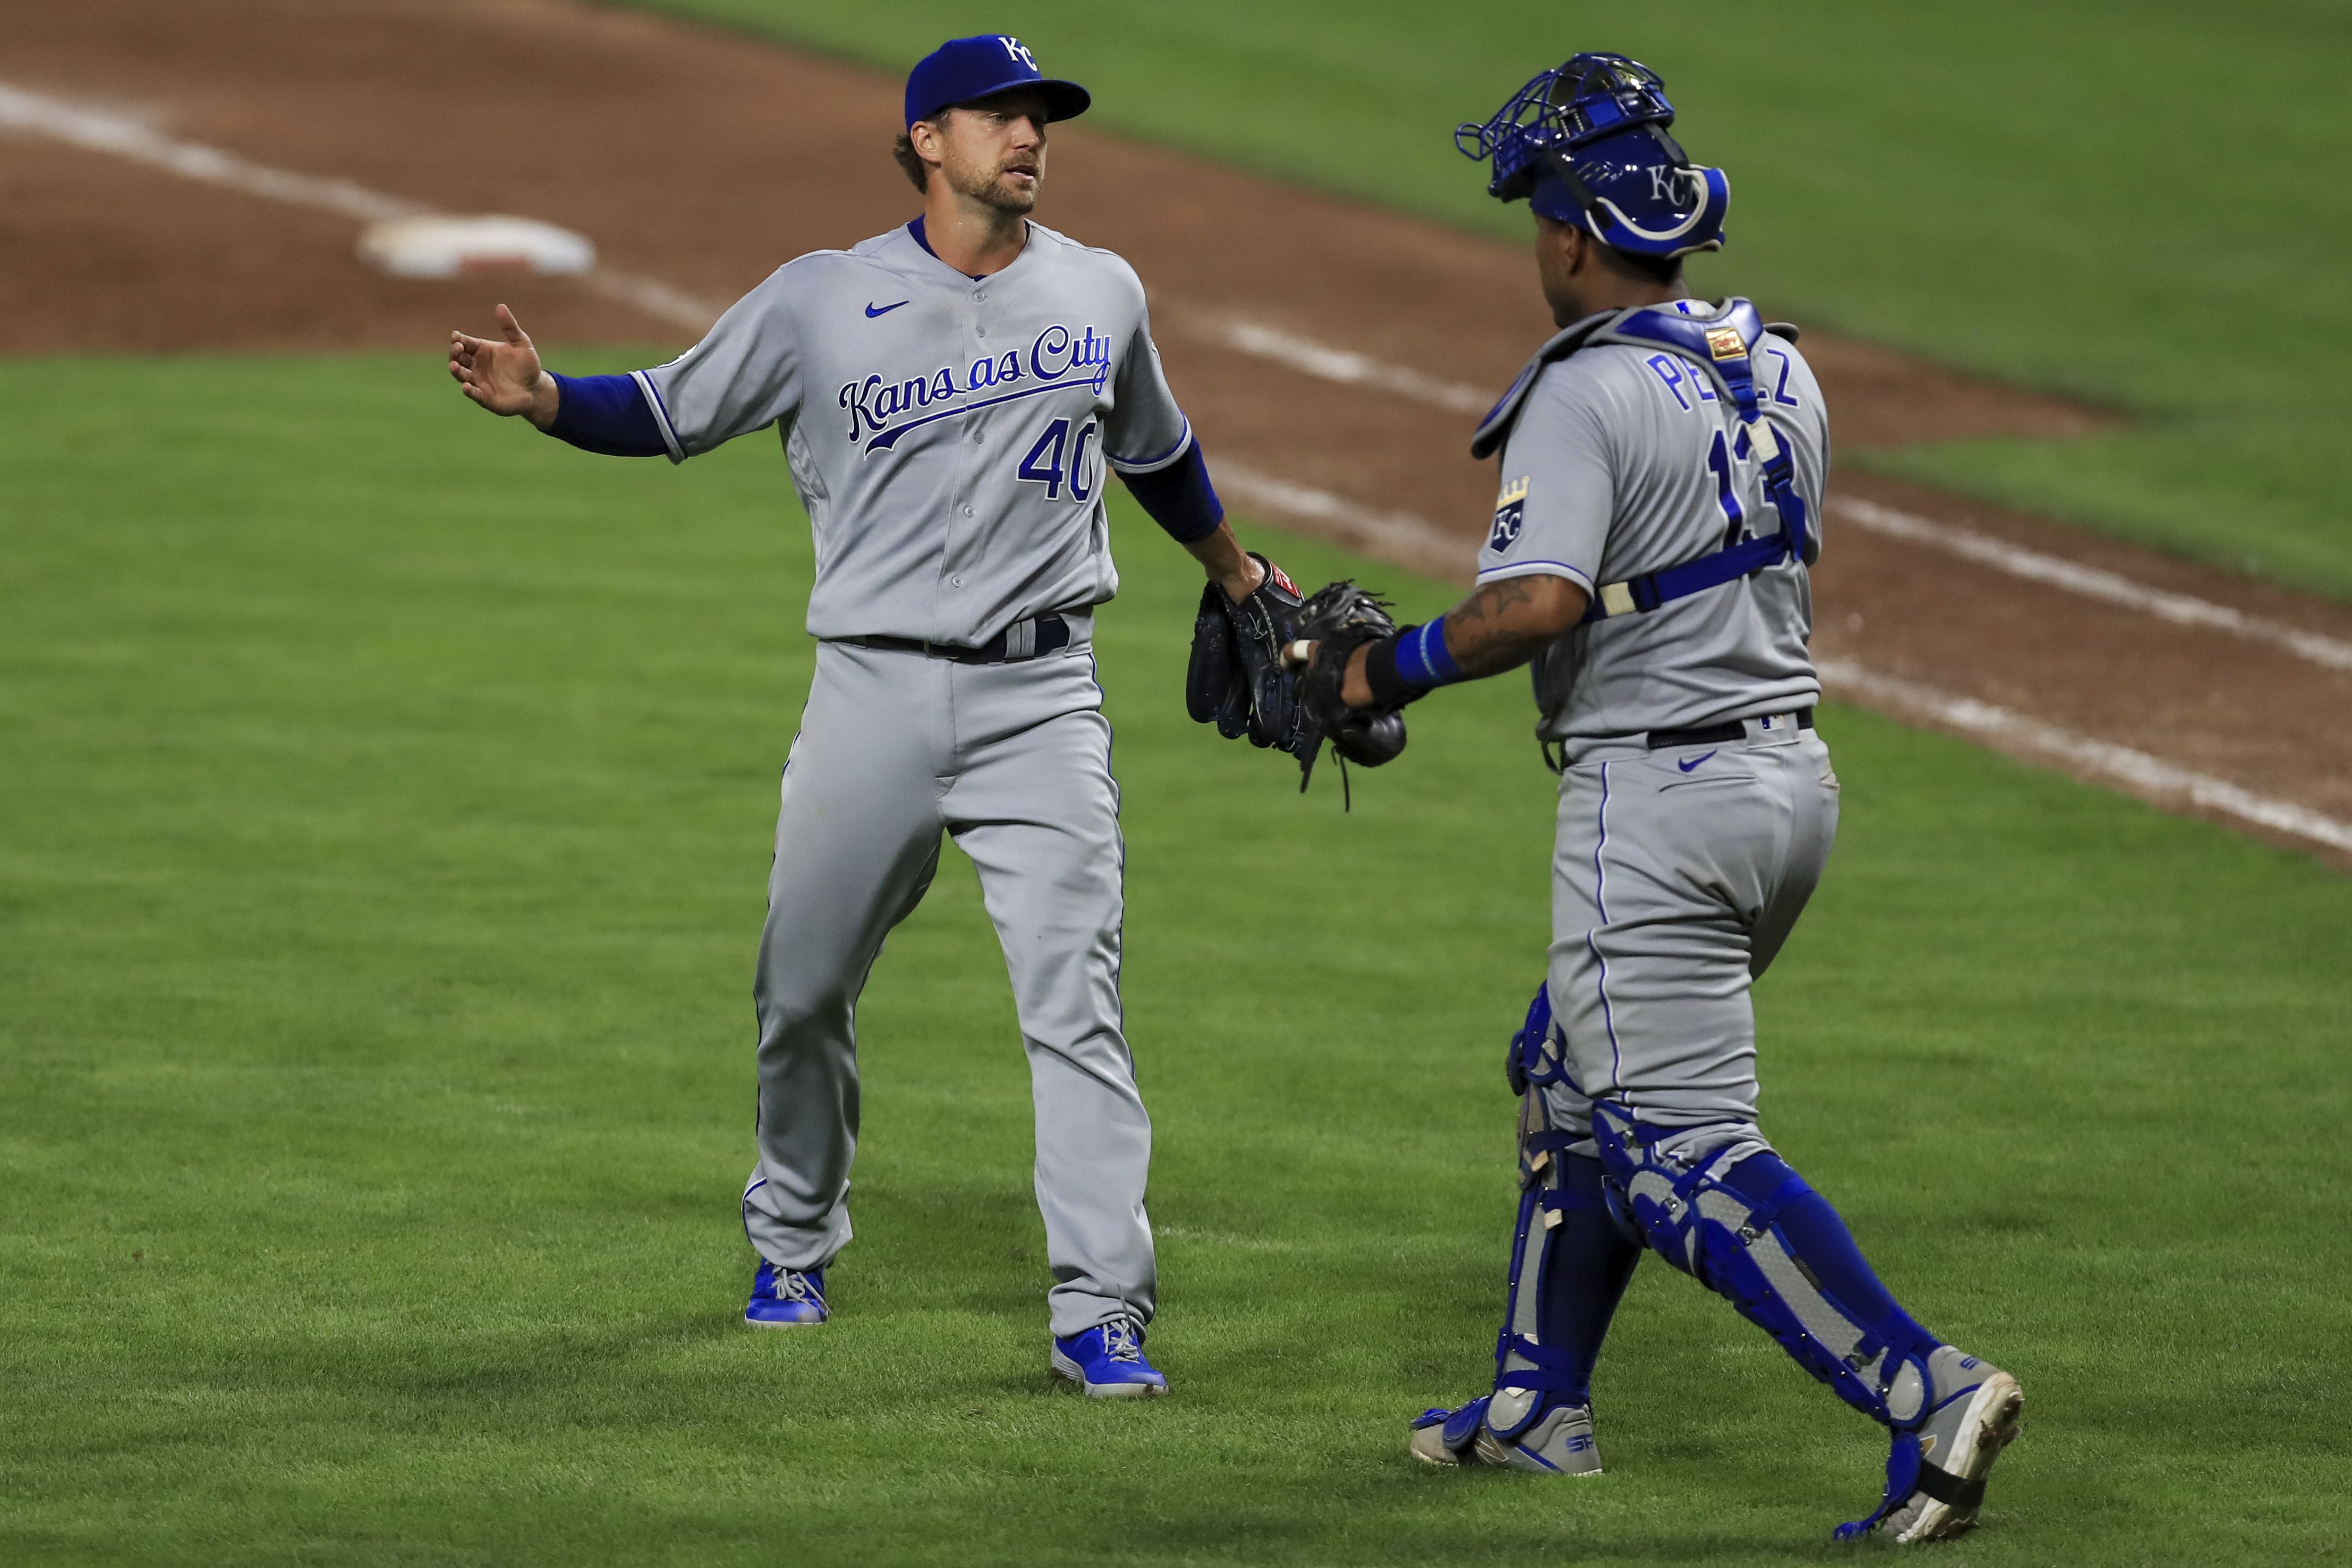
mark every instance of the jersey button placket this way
{"type": "Point", "coordinates": [968, 477]}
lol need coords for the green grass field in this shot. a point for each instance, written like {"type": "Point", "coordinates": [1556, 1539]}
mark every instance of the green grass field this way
{"type": "Point", "coordinates": [2130, 204]}
{"type": "Point", "coordinates": [387, 809]}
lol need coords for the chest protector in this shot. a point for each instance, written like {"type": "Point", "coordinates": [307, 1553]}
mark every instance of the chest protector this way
{"type": "Point", "coordinates": [1722, 346]}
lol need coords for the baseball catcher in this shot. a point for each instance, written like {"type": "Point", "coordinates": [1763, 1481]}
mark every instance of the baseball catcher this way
{"type": "Point", "coordinates": [1662, 463]}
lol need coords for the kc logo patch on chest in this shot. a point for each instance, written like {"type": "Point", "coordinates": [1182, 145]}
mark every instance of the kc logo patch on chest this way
{"type": "Point", "coordinates": [1510, 514]}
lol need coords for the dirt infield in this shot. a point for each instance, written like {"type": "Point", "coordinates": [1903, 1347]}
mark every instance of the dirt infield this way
{"type": "Point", "coordinates": [703, 160]}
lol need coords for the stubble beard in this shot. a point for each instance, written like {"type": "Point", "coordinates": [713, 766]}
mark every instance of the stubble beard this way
{"type": "Point", "coordinates": [992, 186]}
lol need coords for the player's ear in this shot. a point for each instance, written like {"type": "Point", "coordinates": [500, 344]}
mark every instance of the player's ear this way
{"type": "Point", "coordinates": [928, 138]}
{"type": "Point", "coordinates": [1575, 248]}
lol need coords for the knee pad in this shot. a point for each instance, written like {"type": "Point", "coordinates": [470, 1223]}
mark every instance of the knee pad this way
{"type": "Point", "coordinates": [1668, 1182]}
{"type": "Point", "coordinates": [1537, 1061]}
{"type": "Point", "coordinates": [1536, 1055]}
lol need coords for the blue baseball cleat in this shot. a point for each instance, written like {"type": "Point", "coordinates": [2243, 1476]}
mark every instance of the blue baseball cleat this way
{"type": "Point", "coordinates": [786, 1298]}
{"type": "Point", "coordinates": [1108, 1361]}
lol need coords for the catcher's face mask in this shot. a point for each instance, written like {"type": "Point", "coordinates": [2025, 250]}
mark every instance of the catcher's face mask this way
{"type": "Point", "coordinates": [1586, 143]}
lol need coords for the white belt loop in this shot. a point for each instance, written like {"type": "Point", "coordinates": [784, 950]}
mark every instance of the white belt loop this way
{"type": "Point", "coordinates": [1019, 640]}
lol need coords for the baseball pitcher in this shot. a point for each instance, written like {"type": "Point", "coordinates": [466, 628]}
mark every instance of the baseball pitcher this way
{"type": "Point", "coordinates": [1662, 463]}
{"type": "Point", "coordinates": [949, 397]}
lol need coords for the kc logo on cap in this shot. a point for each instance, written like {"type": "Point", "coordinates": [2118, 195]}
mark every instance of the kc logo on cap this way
{"type": "Point", "coordinates": [965, 70]}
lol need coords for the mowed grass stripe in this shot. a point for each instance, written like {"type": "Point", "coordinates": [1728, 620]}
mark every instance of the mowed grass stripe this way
{"type": "Point", "coordinates": [388, 801]}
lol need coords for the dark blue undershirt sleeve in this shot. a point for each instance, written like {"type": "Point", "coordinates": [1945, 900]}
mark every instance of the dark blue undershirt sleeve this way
{"type": "Point", "coordinates": [1180, 498]}
{"type": "Point", "coordinates": [607, 414]}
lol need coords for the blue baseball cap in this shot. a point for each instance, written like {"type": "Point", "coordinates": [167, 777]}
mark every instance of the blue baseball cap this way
{"type": "Point", "coordinates": [962, 70]}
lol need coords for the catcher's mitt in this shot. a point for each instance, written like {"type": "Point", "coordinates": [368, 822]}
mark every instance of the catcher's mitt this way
{"type": "Point", "coordinates": [1338, 619]}
{"type": "Point", "coordinates": [1234, 678]}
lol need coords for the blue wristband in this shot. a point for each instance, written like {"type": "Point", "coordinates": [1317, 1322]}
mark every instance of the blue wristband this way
{"type": "Point", "coordinates": [1423, 659]}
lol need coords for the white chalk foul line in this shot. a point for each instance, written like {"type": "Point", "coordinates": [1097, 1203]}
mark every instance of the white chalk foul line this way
{"type": "Point", "coordinates": [96, 130]}
{"type": "Point", "coordinates": [653, 297]}
{"type": "Point", "coordinates": [2148, 776]}
{"type": "Point", "coordinates": [2092, 582]}
{"type": "Point", "coordinates": [1330, 363]}
{"type": "Point", "coordinates": [101, 130]}
{"type": "Point", "coordinates": [1400, 536]}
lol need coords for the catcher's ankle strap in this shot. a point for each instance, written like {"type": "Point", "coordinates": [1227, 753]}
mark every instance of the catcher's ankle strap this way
{"type": "Point", "coordinates": [1946, 1488]}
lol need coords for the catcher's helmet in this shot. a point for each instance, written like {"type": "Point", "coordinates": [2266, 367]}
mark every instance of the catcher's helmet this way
{"type": "Point", "coordinates": [1586, 143]}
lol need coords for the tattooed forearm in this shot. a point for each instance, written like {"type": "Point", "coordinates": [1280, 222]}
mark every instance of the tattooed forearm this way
{"type": "Point", "coordinates": [1502, 625]}
{"type": "Point", "coordinates": [1498, 627]}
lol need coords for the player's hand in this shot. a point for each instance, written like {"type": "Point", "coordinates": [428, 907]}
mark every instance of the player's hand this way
{"type": "Point", "coordinates": [1244, 579]}
{"type": "Point", "coordinates": [1233, 677]}
{"type": "Point", "coordinates": [503, 373]}
{"type": "Point", "coordinates": [1338, 624]}
{"type": "Point", "coordinates": [1354, 688]}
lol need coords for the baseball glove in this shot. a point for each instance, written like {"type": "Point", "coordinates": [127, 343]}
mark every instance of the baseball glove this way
{"type": "Point", "coordinates": [1235, 679]}
{"type": "Point", "coordinates": [1338, 619]}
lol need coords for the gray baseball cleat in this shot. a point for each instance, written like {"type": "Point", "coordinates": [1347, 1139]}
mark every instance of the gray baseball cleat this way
{"type": "Point", "coordinates": [1556, 1440]}
{"type": "Point", "coordinates": [1936, 1475]}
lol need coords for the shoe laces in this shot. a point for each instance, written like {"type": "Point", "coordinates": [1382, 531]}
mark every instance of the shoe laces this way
{"type": "Point", "coordinates": [791, 1285]}
{"type": "Point", "coordinates": [1122, 1341]}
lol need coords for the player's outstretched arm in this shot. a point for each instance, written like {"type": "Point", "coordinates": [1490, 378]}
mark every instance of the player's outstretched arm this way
{"type": "Point", "coordinates": [1355, 670]}
{"type": "Point", "coordinates": [1498, 627]}
{"type": "Point", "coordinates": [503, 373]}
{"type": "Point", "coordinates": [607, 414]}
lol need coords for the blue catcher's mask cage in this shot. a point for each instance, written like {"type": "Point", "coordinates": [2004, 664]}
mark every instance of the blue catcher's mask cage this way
{"type": "Point", "coordinates": [1586, 143]}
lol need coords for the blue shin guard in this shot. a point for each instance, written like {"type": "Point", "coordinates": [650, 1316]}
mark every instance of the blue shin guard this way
{"type": "Point", "coordinates": [1699, 1198]}
{"type": "Point", "coordinates": [1571, 1260]}
{"type": "Point", "coordinates": [1569, 1264]}
{"type": "Point", "coordinates": [1570, 1256]}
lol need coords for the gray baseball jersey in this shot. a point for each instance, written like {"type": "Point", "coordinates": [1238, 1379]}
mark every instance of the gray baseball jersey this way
{"type": "Point", "coordinates": [948, 434]}
{"type": "Point", "coordinates": [1624, 460]}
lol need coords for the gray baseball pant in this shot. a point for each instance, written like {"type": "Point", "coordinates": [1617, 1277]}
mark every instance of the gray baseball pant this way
{"type": "Point", "coordinates": [1676, 877]}
{"type": "Point", "coordinates": [1012, 761]}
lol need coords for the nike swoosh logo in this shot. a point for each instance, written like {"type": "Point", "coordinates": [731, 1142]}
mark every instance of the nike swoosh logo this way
{"type": "Point", "coordinates": [872, 310]}
{"type": "Point", "coordinates": [1695, 761]}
